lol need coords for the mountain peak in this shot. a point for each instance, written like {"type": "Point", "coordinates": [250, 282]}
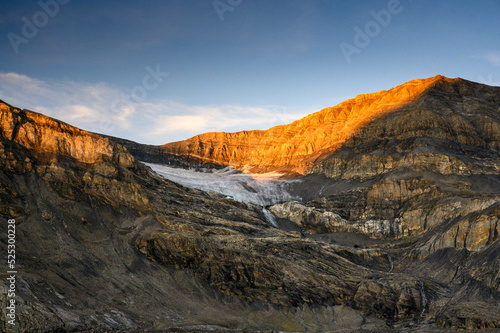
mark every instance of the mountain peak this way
{"type": "Point", "coordinates": [295, 148]}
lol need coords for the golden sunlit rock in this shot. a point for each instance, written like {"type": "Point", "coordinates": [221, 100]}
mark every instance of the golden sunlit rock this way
{"type": "Point", "coordinates": [397, 220]}
{"type": "Point", "coordinates": [299, 146]}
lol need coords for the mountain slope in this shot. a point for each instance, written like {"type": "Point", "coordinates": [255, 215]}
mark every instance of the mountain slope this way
{"type": "Point", "coordinates": [105, 244]}
{"type": "Point", "coordinates": [422, 178]}
{"type": "Point", "coordinates": [299, 146]}
{"type": "Point", "coordinates": [422, 164]}
{"type": "Point", "coordinates": [456, 125]}
{"type": "Point", "coordinates": [399, 225]}
{"type": "Point", "coordinates": [423, 183]}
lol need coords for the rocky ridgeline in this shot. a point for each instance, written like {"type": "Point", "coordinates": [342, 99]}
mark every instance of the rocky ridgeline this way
{"type": "Point", "coordinates": [33, 144]}
{"type": "Point", "coordinates": [432, 161]}
{"type": "Point", "coordinates": [48, 138]}
{"type": "Point", "coordinates": [453, 128]}
{"type": "Point", "coordinates": [398, 227]}
{"type": "Point", "coordinates": [297, 147]}
{"type": "Point", "coordinates": [105, 244]}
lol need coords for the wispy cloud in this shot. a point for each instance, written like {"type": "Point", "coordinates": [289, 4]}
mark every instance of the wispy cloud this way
{"type": "Point", "coordinates": [87, 105]}
{"type": "Point", "coordinates": [181, 120]}
{"type": "Point", "coordinates": [491, 57]}
{"type": "Point", "coordinates": [81, 104]}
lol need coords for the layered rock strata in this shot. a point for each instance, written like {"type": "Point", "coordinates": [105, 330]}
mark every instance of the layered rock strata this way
{"type": "Point", "coordinates": [398, 227]}
{"type": "Point", "coordinates": [105, 244]}
{"type": "Point", "coordinates": [297, 147]}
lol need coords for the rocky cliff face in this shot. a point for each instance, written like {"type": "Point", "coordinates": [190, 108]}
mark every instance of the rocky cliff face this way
{"type": "Point", "coordinates": [105, 244]}
{"type": "Point", "coordinates": [38, 133]}
{"type": "Point", "coordinates": [454, 128]}
{"type": "Point", "coordinates": [432, 161]}
{"type": "Point", "coordinates": [296, 148]}
{"type": "Point", "coordinates": [424, 180]}
{"type": "Point", "coordinates": [398, 227]}
{"type": "Point", "coordinates": [422, 172]}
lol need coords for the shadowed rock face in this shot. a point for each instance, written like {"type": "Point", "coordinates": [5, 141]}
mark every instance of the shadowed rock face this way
{"type": "Point", "coordinates": [104, 243]}
{"type": "Point", "coordinates": [425, 179]}
{"type": "Point", "coordinates": [432, 161]}
{"type": "Point", "coordinates": [452, 129]}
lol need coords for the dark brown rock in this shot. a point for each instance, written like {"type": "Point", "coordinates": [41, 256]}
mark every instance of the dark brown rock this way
{"type": "Point", "coordinates": [399, 224]}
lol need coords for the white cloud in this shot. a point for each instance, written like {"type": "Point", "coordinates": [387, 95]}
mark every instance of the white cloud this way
{"type": "Point", "coordinates": [101, 108]}
{"type": "Point", "coordinates": [183, 121]}
{"type": "Point", "coordinates": [80, 104]}
{"type": "Point", "coordinates": [491, 57]}
{"type": "Point", "coordinates": [180, 124]}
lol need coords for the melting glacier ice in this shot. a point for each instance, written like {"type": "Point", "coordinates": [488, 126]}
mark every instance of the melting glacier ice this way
{"type": "Point", "coordinates": [234, 184]}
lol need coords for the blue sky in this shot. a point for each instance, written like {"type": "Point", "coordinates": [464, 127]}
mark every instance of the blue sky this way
{"type": "Point", "coordinates": [159, 71]}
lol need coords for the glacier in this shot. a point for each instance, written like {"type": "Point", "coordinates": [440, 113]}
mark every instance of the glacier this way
{"type": "Point", "coordinates": [233, 184]}
{"type": "Point", "coordinates": [230, 182]}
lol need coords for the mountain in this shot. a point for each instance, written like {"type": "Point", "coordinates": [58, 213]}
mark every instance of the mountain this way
{"type": "Point", "coordinates": [297, 147]}
{"type": "Point", "coordinates": [398, 226]}
{"type": "Point", "coordinates": [105, 244]}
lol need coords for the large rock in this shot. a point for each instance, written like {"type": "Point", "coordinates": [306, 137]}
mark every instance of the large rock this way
{"type": "Point", "coordinates": [318, 221]}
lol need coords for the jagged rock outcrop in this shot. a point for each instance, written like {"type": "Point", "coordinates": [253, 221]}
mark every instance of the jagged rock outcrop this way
{"type": "Point", "coordinates": [316, 220]}
{"type": "Point", "coordinates": [36, 133]}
